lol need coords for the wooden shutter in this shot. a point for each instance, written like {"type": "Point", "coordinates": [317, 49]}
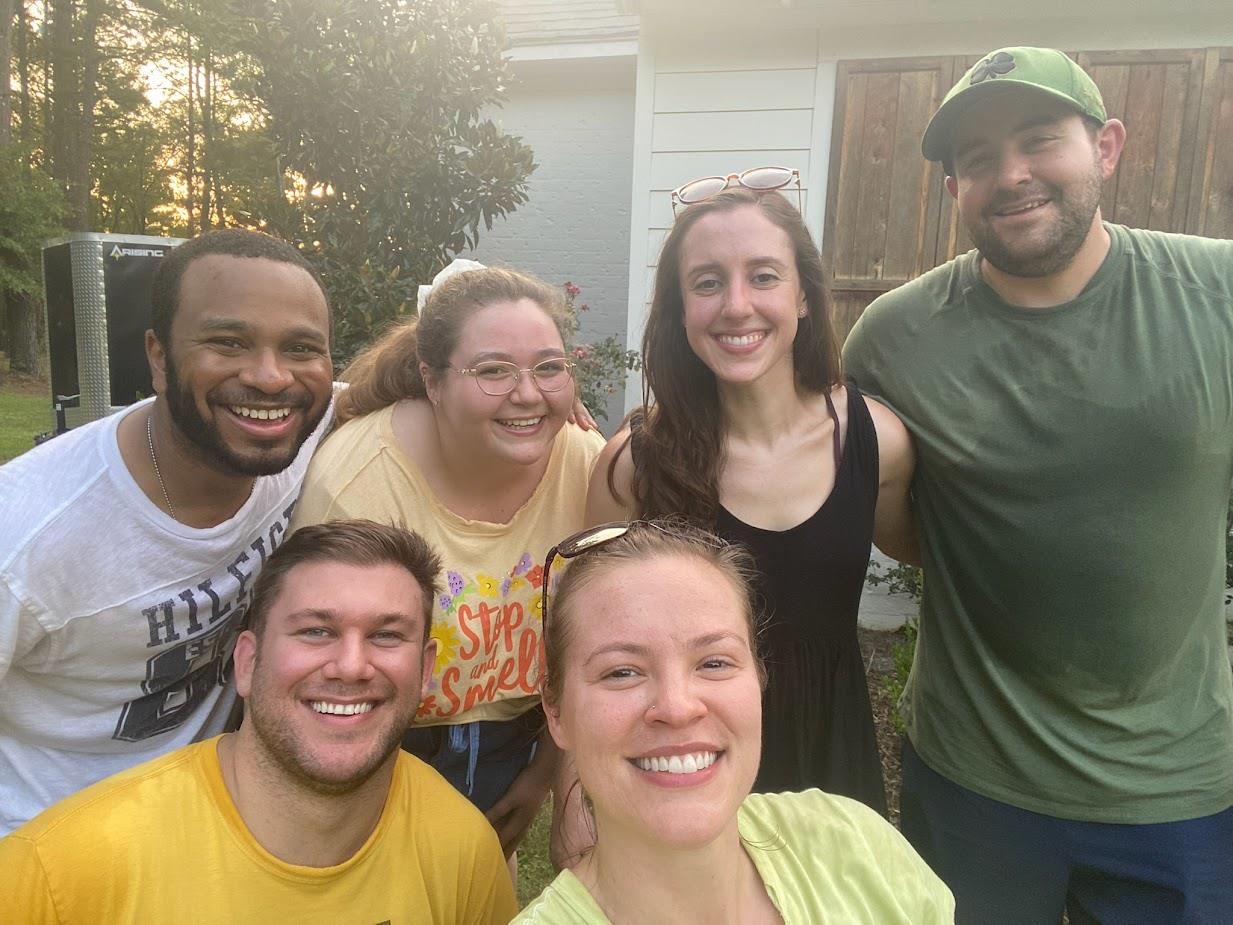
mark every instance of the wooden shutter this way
{"type": "Point", "coordinates": [1210, 210]}
{"type": "Point", "coordinates": [1157, 95]}
{"type": "Point", "coordinates": [883, 198]}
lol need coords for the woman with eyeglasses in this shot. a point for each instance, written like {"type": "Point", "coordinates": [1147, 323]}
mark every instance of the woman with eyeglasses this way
{"type": "Point", "coordinates": [663, 720]}
{"type": "Point", "coordinates": [455, 425]}
{"type": "Point", "coordinates": [750, 430]}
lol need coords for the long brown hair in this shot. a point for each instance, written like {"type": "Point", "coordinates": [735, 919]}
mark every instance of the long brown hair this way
{"type": "Point", "coordinates": [389, 370]}
{"type": "Point", "coordinates": [680, 428]}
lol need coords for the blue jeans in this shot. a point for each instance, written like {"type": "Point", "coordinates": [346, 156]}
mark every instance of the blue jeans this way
{"type": "Point", "coordinates": [480, 759]}
{"type": "Point", "coordinates": [1010, 865]}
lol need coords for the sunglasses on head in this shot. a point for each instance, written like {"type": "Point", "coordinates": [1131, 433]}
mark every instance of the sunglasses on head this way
{"type": "Point", "coordinates": [757, 179]}
{"type": "Point", "coordinates": [592, 538]}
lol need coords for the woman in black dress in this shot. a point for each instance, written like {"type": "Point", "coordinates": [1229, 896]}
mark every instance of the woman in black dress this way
{"type": "Point", "coordinates": [752, 432]}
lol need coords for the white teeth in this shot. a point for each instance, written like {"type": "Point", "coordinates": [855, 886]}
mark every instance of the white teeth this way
{"type": "Point", "coordinates": [1025, 207]}
{"type": "Point", "coordinates": [521, 422]}
{"type": "Point", "coordinates": [743, 340]}
{"type": "Point", "coordinates": [678, 764]}
{"type": "Point", "coordinates": [340, 709]}
{"type": "Point", "coordinates": [260, 414]}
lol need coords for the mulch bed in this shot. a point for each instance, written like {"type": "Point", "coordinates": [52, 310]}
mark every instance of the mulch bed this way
{"type": "Point", "coordinates": [876, 647]}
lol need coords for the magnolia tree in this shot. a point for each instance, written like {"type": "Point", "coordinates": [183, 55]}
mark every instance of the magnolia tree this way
{"type": "Point", "coordinates": [375, 110]}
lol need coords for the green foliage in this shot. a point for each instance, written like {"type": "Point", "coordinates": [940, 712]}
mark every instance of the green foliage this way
{"type": "Point", "coordinates": [375, 112]}
{"type": "Point", "coordinates": [32, 209]}
{"type": "Point", "coordinates": [601, 366]}
{"type": "Point", "coordinates": [898, 578]}
{"type": "Point", "coordinates": [1228, 554]}
{"type": "Point", "coordinates": [903, 653]}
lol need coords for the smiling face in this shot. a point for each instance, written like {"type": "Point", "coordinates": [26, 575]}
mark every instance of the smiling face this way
{"type": "Point", "coordinates": [335, 678]}
{"type": "Point", "coordinates": [247, 375]}
{"type": "Point", "coordinates": [659, 700]}
{"type": "Point", "coordinates": [1027, 176]}
{"type": "Point", "coordinates": [741, 293]}
{"type": "Point", "coordinates": [519, 427]}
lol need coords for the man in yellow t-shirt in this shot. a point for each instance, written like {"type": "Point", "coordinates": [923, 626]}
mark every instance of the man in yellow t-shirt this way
{"type": "Point", "coordinates": [309, 812]}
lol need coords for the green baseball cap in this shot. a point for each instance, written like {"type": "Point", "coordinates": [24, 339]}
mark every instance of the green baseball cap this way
{"type": "Point", "coordinates": [1045, 70]}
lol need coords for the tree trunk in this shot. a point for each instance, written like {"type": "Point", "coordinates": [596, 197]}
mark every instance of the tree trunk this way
{"type": "Point", "coordinates": [62, 88]}
{"type": "Point", "coordinates": [83, 153]}
{"type": "Point", "coordinates": [207, 141]}
{"type": "Point", "coordinates": [23, 74]}
{"type": "Point", "coordinates": [8, 13]}
{"type": "Point", "coordinates": [23, 318]}
{"type": "Point", "coordinates": [190, 161]}
{"type": "Point", "coordinates": [45, 103]}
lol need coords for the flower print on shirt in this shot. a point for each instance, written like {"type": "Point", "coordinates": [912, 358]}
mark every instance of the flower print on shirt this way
{"type": "Point", "coordinates": [487, 631]}
{"type": "Point", "coordinates": [446, 635]}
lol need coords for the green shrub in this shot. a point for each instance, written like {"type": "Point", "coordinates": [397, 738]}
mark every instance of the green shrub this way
{"type": "Point", "coordinates": [902, 653]}
{"type": "Point", "coordinates": [601, 366]}
{"type": "Point", "coordinates": [899, 579]}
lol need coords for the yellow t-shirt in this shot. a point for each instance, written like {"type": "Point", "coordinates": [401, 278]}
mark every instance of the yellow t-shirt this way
{"type": "Point", "coordinates": [822, 858]}
{"type": "Point", "coordinates": [163, 842]}
{"type": "Point", "coordinates": [487, 619]}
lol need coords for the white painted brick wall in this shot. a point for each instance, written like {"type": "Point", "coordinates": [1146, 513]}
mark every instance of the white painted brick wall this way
{"type": "Point", "coordinates": [577, 116]}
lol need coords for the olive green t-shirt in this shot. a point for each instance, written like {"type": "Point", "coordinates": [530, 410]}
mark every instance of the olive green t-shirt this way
{"type": "Point", "coordinates": [1073, 474]}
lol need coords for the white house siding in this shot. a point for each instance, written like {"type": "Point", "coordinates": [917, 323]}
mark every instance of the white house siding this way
{"type": "Point", "coordinates": [541, 22]}
{"type": "Point", "coordinates": [577, 116]}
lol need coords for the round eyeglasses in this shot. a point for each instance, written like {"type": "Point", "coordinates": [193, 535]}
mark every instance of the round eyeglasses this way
{"type": "Point", "coordinates": [497, 377]}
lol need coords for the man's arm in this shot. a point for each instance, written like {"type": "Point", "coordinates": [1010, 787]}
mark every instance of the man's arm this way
{"type": "Point", "coordinates": [894, 524]}
{"type": "Point", "coordinates": [24, 890]}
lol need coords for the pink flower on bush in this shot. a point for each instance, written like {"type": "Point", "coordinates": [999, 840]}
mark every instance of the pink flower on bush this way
{"type": "Point", "coordinates": [580, 353]}
{"type": "Point", "coordinates": [572, 290]}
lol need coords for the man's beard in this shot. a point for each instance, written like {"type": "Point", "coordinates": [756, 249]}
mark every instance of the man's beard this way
{"type": "Point", "coordinates": [293, 757]}
{"type": "Point", "coordinates": [1076, 208]}
{"type": "Point", "coordinates": [206, 439]}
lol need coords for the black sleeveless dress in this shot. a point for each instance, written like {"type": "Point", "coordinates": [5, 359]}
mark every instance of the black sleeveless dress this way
{"type": "Point", "coordinates": [817, 722]}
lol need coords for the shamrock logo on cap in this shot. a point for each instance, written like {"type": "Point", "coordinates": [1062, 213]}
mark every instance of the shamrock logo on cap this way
{"type": "Point", "coordinates": [993, 66]}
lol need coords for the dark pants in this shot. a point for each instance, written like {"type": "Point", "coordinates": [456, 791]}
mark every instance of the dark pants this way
{"type": "Point", "coordinates": [1011, 865]}
{"type": "Point", "coordinates": [480, 759]}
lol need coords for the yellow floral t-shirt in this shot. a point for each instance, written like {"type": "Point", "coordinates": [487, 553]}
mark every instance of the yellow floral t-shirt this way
{"type": "Point", "coordinates": [487, 618]}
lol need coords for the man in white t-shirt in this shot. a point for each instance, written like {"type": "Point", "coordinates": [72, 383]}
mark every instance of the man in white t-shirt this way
{"type": "Point", "coordinates": [128, 547]}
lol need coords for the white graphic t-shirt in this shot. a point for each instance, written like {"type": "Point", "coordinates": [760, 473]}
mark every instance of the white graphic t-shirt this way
{"type": "Point", "coordinates": [116, 622]}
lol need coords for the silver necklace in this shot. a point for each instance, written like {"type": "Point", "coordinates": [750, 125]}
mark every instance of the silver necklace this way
{"type": "Point", "coordinates": [154, 459]}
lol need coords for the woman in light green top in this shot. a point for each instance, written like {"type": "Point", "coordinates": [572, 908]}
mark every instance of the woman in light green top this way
{"type": "Point", "coordinates": [654, 684]}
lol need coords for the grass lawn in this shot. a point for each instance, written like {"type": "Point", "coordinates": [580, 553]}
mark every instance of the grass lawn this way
{"type": "Point", "coordinates": [23, 414]}
{"type": "Point", "coordinates": [534, 869]}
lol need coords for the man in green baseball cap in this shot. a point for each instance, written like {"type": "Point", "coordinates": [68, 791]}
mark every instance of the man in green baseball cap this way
{"type": "Point", "coordinates": [1044, 71]}
{"type": "Point", "coordinates": [1069, 385]}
